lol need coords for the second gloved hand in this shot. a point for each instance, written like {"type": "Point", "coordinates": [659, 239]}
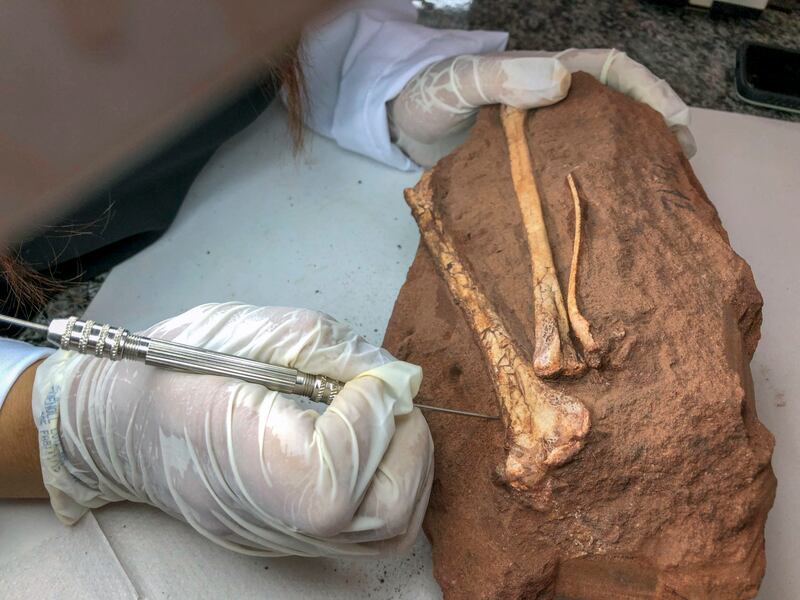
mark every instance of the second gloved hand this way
{"type": "Point", "coordinates": [432, 113]}
{"type": "Point", "coordinates": [248, 468]}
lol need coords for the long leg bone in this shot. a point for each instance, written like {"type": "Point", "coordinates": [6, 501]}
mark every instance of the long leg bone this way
{"type": "Point", "coordinates": [553, 352]}
{"type": "Point", "coordinates": [581, 327]}
{"type": "Point", "coordinates": [544, 426]}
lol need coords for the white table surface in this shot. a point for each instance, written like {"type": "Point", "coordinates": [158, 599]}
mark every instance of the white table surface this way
{"type": "Point", "coordinates": [330, 231]}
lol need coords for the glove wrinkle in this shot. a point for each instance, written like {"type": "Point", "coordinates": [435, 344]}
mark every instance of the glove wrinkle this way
{"type": "Point", "coordinates": [430, 115]}
{"type": "Point", "coordinates": [250, 469]}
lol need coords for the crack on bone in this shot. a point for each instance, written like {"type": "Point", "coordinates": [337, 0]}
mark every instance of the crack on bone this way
{"type": "Point", "coordinates": [553, 353]}
{"type": "Point", "coordinates": [592, 352]}
{"type": "Point", "coordinates": [544, 427]}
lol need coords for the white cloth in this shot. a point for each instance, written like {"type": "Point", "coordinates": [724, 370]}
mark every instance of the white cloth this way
{"type": "Point", "coordinates": [254, 471]}
{"type": "Point", "coordinates": [15, 357]}
{"type": "Point", "coordinates": [361, 58]}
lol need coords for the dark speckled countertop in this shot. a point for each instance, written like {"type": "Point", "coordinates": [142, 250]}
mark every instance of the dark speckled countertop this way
{"type": "Point", "coordinates": [694, 53]}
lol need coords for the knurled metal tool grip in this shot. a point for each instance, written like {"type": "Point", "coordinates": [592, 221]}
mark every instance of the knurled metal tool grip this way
{"type": "Point", "coordinates": [115, 343]}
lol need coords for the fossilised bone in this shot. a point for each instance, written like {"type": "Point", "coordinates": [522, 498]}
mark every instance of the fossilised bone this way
{"type": "Point", "coordinates": [553, 351]}
{"type": "Point", "coordinates": [581, 327]}
{"type": "Point", "coordinates": [544, 426]}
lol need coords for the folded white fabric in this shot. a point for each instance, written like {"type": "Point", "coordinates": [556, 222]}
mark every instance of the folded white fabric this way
{"type": "Point", "coordinates": [360, 58]}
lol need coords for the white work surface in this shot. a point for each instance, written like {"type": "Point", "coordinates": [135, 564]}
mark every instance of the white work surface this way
{"type": "Point", "coordinates": [330, 231]}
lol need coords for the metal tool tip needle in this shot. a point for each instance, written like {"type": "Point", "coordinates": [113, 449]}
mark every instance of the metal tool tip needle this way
{"type": "Point", "coordinates": [22, 323]}
{"type": "Point", "coordinates": [453, 411]}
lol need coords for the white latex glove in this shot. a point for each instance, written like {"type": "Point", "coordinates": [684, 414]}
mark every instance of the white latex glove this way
{"type": "Point", "coordinates": [432, 114]}
{"type": "Point", "coordinates": [248, 468]}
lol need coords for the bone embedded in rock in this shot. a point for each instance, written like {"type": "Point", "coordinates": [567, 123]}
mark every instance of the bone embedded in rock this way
{"type": "Point", "coordinates": [669, 495]}
{"type": "Point", "coordinates": [580, 325]}
{"type": "Point", "coordinates": [554, 353]}
{"type": "Point", "coordinates": [544, 426]}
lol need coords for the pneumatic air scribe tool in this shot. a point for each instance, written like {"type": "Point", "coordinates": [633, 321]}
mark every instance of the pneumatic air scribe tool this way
{"type": "Point", "coordinates": [116, 343]}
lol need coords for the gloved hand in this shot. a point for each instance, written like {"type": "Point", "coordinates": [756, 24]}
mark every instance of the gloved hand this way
{"type": "Point", "coordinates": [430, 116]}
{"type": "Point", "coordinates": [248, 468]}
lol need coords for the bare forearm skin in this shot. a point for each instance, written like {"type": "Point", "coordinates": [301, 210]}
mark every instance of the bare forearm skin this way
{"type": "Point", "coordinates": [20, 473]}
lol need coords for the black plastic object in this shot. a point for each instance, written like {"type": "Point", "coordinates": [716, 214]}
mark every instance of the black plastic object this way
{"type": "Point", "coordinates": [768, 76]}
{"type": "Point", "coordinates": [717, 10]}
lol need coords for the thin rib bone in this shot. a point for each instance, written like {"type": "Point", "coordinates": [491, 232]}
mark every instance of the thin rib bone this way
{"type": "Point", "coordinates": [581, 327]}
{"type": "Point", "coordinates": [544, 426]}
{"type": "Point", "coordinates": [553, 352]}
